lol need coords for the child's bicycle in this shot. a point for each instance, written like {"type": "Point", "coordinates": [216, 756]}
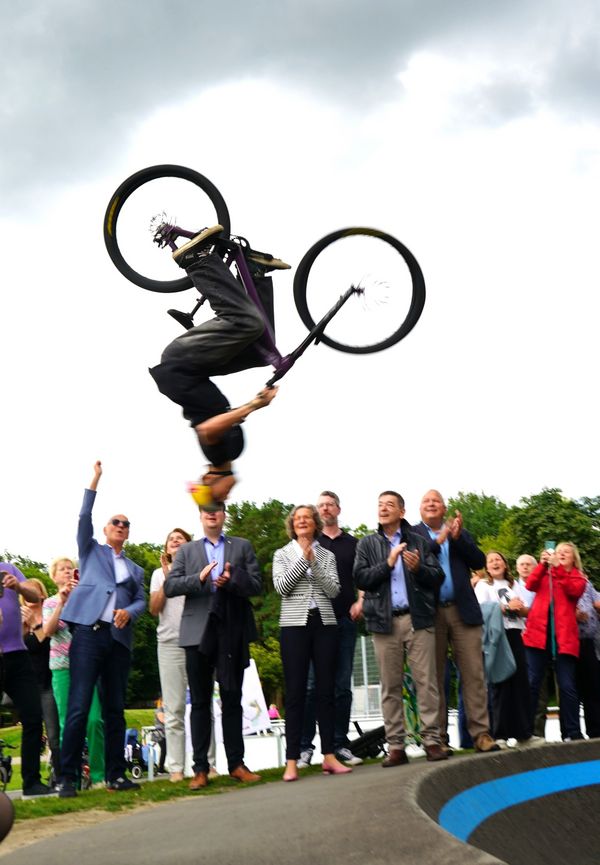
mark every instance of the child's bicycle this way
{"type": "Point", "coordinates": [350, 263]}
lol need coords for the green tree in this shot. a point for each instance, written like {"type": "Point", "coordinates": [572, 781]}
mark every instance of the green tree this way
{"type": "Point", "coordinates": [264, 526]}
{"type": "Point", "coordinates": [31, 570]}
{"type": "Point", "coordinates": [144, 682]}
{"type": "Point", "coordinates": [551, 516]}
{"type": "Point", "coordinates": [482, 514]}
{"type": "Point", "coordinates": [270, 669]}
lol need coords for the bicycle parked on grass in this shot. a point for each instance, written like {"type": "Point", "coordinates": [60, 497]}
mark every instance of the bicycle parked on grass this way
{"type": "Point", "coordinates": [364, 264]}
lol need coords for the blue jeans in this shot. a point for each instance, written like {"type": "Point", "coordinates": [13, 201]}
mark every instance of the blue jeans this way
{"type": "Point", "coordinates": [538, 661]}
{"type": "Point", "coordinates": [96, 655]}
{"type": "Point", "coordinates": [343, 691]}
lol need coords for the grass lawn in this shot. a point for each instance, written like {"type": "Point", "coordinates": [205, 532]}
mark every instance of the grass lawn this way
{"type": "Point", "coordinates": [157, 791]}
{"type": "Point", "coordinates": [12, 736]}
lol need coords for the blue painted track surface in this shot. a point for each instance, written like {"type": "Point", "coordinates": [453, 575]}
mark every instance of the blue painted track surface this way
{"type": "Point", "coordinates": [465, 812]}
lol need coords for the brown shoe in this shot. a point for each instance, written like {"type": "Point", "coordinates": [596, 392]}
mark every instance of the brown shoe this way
{"type": "Point", "coordinates": [243, 774]}
{"type": "Point", "coordinates": [396, 757]}
{"type": "Point", "coordinates": [435, 752]}
{"type": "Point", "coordinates": [485, 744]}
{"type": "Point", "coordinates": [199, 781]}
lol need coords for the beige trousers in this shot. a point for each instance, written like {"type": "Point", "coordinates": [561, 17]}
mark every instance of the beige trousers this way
{"type": "Point", "coordinates": [466, 647]}
{"type": "Point", "coordinates": [390, 650]}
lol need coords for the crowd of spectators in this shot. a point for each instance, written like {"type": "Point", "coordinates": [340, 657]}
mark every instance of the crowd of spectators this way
{"type": "Point", "coordinates": [426, 593]}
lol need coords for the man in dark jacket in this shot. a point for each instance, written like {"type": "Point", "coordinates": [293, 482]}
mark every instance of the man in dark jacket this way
{"type": "Point", "coordinates": [400, 578]}
{"type": "Point", "coordinates": [458, 620]}
{"type": "Point", "coordinates": [217, 575]}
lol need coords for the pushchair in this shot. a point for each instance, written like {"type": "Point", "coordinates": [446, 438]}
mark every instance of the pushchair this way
{"type": "Point", "coordinates": [135, 759]}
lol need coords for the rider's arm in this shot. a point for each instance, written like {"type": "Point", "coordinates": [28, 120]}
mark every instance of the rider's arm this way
{"type": "Point", "coordinates": [212, 430]}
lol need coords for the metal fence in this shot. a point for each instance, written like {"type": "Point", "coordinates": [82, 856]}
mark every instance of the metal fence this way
{"type": "Point", "coordinates": [366, 687]}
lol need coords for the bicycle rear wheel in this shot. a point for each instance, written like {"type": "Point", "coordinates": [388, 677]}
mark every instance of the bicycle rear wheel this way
{"type": "Point", "coordinates": [184, 197]}
{"type": "Point", "coordinates": [392, 289]}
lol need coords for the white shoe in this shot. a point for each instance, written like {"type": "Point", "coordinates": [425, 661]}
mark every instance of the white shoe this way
{"type": "Point", "coordinates": [305, 759]}
{"type": "Point", "coordinates": [532, 742]}
{"type": "Point", "coordinates": [346, 756]}
{"type": "Point", "coordinates": [502, 744]}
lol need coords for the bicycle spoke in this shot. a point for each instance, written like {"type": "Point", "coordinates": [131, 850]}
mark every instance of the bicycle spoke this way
{"type": "Point", "coordinates": [385, 281]}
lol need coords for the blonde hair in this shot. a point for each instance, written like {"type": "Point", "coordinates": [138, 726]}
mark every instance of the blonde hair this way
{"type": "Point", "coordinates": [576, 556]}
{"type": "Point", "coordinates": [56, 562]}
{"type": "Point", "coordinates": [39, 586]}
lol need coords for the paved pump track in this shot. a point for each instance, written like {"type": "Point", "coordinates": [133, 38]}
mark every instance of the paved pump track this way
{"type": "Point", "coordinates": [528, 808]}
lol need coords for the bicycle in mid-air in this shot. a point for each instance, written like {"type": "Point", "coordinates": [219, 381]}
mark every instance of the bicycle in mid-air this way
{"type": "Point", "coordinates": [372, 269]}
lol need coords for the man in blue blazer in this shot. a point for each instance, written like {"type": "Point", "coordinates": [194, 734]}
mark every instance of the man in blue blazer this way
{"type": "Point", "coordinates": [217, 575]}
{"type": "Point", "coordinates": [101, 611]}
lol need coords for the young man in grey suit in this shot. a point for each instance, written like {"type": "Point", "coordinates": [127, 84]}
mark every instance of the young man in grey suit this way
{"type": "Point", "coordinates": [217, 575]}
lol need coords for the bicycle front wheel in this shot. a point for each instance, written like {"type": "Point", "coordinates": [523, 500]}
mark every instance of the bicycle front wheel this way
{"type": "Point", "coordinates": [391, 287]}
{"type": "Point", "coordinates": [167, 193]}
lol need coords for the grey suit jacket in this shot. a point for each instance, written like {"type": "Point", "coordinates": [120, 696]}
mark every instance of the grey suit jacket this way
{"type": "Point", "coordinates": [200, 600]}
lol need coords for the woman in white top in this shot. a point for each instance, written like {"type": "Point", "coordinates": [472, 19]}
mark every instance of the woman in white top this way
{"type": "Point", "coordinates": [511, 717]}
{"type": "Point", "coordinates": [305, 575]}
{"type": "Point", "coordinates": [171, 657]}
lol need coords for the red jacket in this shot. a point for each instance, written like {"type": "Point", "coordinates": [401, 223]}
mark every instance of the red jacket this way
{"type": "Point", "coordinates": [567, 587]}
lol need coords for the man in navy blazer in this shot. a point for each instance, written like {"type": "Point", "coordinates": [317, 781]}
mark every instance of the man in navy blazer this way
{"type": "Point", "coordinates": [101, 611]}
{"type": "Point", "coordinates": [217, 575]}
{"type": "Point", "coordinates": [458, 620]}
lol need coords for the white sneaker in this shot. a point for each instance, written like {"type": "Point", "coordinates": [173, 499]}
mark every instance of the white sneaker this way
{"type": "Point", "coordinates": [346, 756]}
{"type": "Point", "coordinates": [305, 759]}
{"type": "Point", "coordinates": [502, 744]}
{"type": "Point", "coordinates": [531, 742]}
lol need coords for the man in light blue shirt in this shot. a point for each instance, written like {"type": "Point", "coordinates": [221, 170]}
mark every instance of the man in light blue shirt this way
{"type": "Point", "coordinates": [400, 578]}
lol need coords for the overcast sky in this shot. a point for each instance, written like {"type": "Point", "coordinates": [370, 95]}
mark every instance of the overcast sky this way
{"type": "Point", "coordinates": [469, 130]}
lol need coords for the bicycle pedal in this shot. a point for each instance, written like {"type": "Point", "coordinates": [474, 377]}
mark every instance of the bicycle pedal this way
{"type": "Point", "coordinates": [183, 318]}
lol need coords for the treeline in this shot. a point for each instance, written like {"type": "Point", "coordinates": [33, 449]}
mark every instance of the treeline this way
{"type": "Point", "coordinates": [523, 528]}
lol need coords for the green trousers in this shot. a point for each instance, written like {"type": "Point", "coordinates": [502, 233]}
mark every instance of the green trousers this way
{"type": "Point", "coordinates": [61, 680]}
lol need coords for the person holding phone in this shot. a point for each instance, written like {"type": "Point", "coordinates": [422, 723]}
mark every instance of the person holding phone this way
{"type": "Point", "coordinates": [19, 680]}
{"type": "Point", "coordinates": [66, 576]}
{"type": "Point", "coordinates": [171, 659]}
{"type": "Point", "coordinates": [552, 635]}
{"type": "Point", "coordinates": [38, 646]}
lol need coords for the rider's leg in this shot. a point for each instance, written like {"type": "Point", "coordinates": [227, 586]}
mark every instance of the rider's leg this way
{"type": "Point", "coordinates": [212, 347]}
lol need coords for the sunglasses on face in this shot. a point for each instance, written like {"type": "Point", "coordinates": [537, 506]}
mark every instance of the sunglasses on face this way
{"type": "Point", "coordinates": [124, 523]}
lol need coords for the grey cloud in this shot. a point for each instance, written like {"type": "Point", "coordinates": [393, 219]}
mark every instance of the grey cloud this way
{"type": "Point", "coordinates": [78, 76]}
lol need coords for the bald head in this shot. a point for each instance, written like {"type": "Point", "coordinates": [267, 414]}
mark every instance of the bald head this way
{"type": "Point", "coordinates": [433, 509]}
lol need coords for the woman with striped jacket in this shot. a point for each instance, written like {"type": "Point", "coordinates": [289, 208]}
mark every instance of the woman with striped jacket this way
{"type": "Point", "coordinates": [305, 575]}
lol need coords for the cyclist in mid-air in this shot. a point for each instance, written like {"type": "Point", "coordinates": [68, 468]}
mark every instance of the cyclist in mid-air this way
{"type": "Point", "coordinates": [220, 346]}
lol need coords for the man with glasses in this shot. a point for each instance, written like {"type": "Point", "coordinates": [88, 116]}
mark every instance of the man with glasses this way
{"type": "Point", "coordinates": [101, 611]}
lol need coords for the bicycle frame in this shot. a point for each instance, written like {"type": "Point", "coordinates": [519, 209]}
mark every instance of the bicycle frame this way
{"type": "Point", "coordinates": [266, 344]}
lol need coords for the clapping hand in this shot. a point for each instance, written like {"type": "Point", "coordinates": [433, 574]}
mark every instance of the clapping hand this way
{"type": "Point", "coordinates": [224, 577]}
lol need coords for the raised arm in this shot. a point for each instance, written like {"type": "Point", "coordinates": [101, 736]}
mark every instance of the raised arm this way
{"type": "Point", "coordinates": [85, 528]}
